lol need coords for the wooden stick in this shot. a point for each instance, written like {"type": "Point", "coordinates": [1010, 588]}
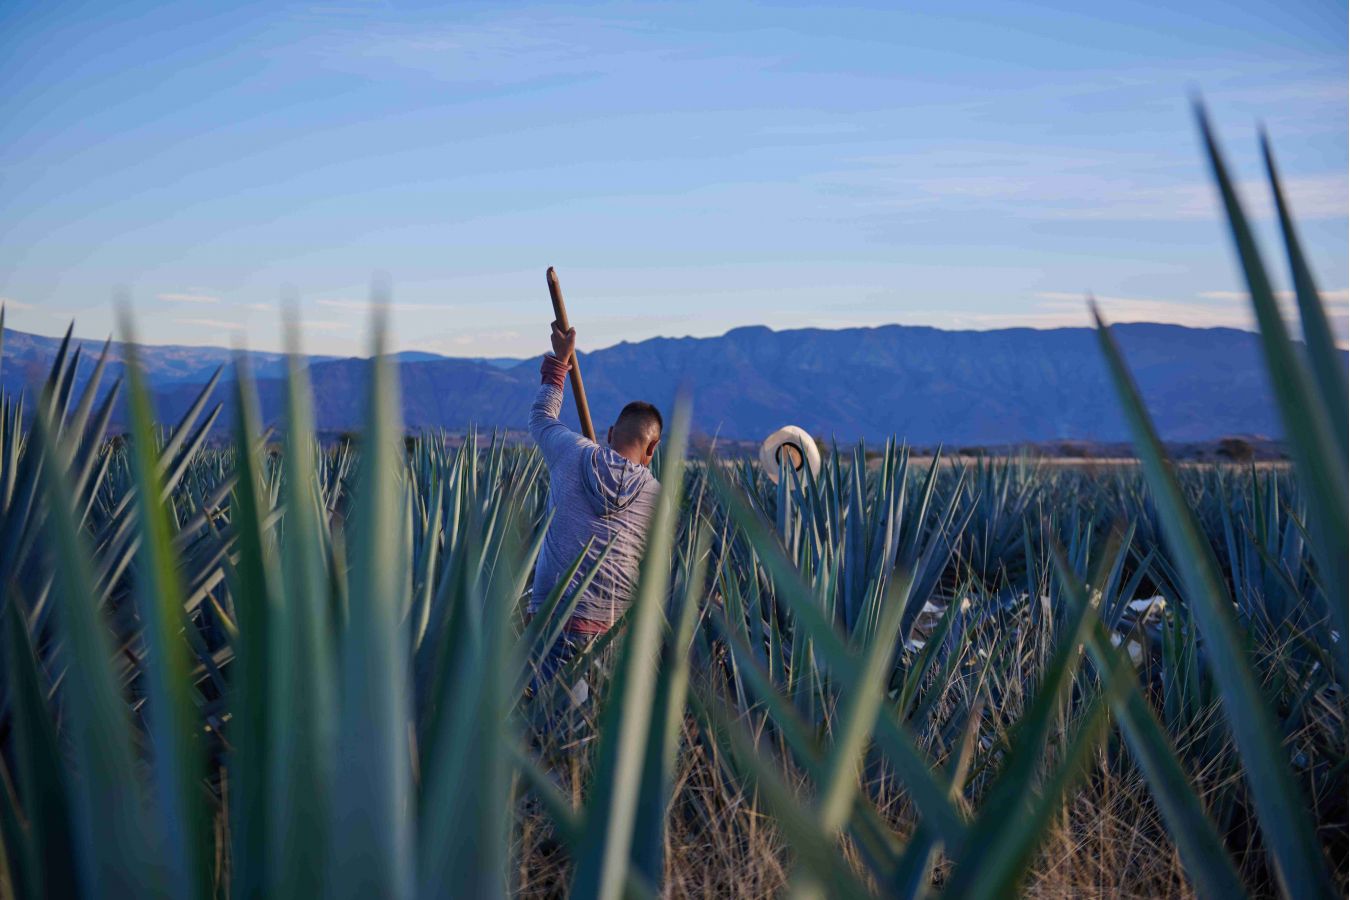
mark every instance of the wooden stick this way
{"type": "Point", "coordinates": [578, 389]}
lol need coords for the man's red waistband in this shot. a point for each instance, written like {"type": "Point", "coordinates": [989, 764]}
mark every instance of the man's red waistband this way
{"type": "Point", "coordinates": [588, 627]}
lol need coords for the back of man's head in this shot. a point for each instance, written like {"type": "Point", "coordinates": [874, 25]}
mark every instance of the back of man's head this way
{"type": "Point", "coordinates": [638, 421]}
{"type": "Point", "coordinates": [637, 429]}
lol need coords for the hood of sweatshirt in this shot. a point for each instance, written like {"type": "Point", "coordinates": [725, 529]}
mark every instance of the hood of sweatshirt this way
{"type": "Point", "coordinates": [612, 482]}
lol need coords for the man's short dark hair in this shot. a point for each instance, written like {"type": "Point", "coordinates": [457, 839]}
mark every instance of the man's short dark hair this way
{"type": "Point", "coordinates": [638, 421]}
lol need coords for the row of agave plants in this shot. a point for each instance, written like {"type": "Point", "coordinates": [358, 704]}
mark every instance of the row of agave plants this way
{"type": "Point", "coordinates": [271, 669]}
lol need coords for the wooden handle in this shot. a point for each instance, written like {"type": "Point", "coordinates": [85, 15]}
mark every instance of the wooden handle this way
{"type": "Point", "coordinates": [578, 389]}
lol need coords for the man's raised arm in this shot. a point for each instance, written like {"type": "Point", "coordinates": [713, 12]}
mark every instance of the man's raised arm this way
{"type": "Point", "coordinates": [555, 439]}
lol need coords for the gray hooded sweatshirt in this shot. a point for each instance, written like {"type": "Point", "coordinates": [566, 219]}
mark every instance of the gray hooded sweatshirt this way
{"type": "Point", "coordinates": [597, 495]}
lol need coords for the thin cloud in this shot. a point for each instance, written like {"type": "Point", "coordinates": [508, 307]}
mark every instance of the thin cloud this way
{"type": "Point", "coordinates": [221, 324]}
{"type": "Point", "coordinates": [468, 340]}
{"type": "Point", "coordinates": [1328, 297]}
{"type": "Point", "coordinates": [225, 324]}
{"type": "Point", "coordinates": [510, 51]}
{"type": "Point", "coordinates": [187, 298]}
{"type": "Point", "coordinates": [1069, 309]}
{"type": "Point", "coordinates": [1210, 309]}
{"type": "Point", "coordinates": [365, 305]}
{"type": "Point", "coordinates": [322, 325]}
{"type": "Point", "coordinates": [1311, 197]}
{"type": "Point", "coordinates": [11, 303]}
{"type": "Point", "coordinates": [1080, 298]}
{"type": "Point", "coordinates": [1041, 183]}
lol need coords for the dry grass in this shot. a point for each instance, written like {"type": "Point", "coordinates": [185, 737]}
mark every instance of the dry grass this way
{"type": "Point", "coordinates": [1107, 842]}
{"type": "Point", "coordinates": [1108, 839]}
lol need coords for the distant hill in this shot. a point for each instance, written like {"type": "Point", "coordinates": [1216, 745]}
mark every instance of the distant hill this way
{"type": "Point", "coordinates": [925, 385]}
{"type": "Point", "coordinates": [28, 358]}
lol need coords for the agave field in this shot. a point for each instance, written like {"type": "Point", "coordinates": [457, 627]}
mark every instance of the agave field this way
{"type": "Point", "coordinates": [273, 669]}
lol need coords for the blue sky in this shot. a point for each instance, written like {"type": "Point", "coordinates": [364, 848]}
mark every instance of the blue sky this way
{"type": "Point", "coordinates": [688, 167]}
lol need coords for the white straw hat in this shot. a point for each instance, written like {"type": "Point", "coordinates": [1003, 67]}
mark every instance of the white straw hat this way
{"type": "Point", "coordinates": [794, 446]}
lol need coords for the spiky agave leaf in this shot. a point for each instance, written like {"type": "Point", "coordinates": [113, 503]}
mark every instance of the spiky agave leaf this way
{"type": "Point", "coordinates": [178, 756]}
{"type": "Point", "coordinates": [301, 706]}
{"type": "Point", "coordinates": [1318, 451]}
{"type": "Point", "coordinates": [112, 857]}
{"type": "Point", "coordinates": [372, 850]}
{"type": "Point", "coordinates": [667, 722]}
{"type": "Point", "coordinates": [255, 600]}
{"type": "Point", "coordinates": [1279, 802]}
{"type": "Point", "coordinates": [462, 839]}
{"type": "Point", "coordinates": [39, 839]}
{"type": "Point", "coordinates": [1323, 356]}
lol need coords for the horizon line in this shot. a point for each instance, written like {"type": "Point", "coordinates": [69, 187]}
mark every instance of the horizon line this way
{"type": "Point", "coordinates": [116, 341]}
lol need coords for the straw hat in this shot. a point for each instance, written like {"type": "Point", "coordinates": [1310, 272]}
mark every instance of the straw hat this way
{"type": "Point", "coordinates": [793, 446]}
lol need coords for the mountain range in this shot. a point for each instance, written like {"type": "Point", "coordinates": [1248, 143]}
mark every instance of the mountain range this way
{"type": "Point", "coordinates": [924, 385]}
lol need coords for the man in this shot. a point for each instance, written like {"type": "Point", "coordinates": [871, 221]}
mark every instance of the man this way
{"type": "Point", "coordinates": [604, 495]}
